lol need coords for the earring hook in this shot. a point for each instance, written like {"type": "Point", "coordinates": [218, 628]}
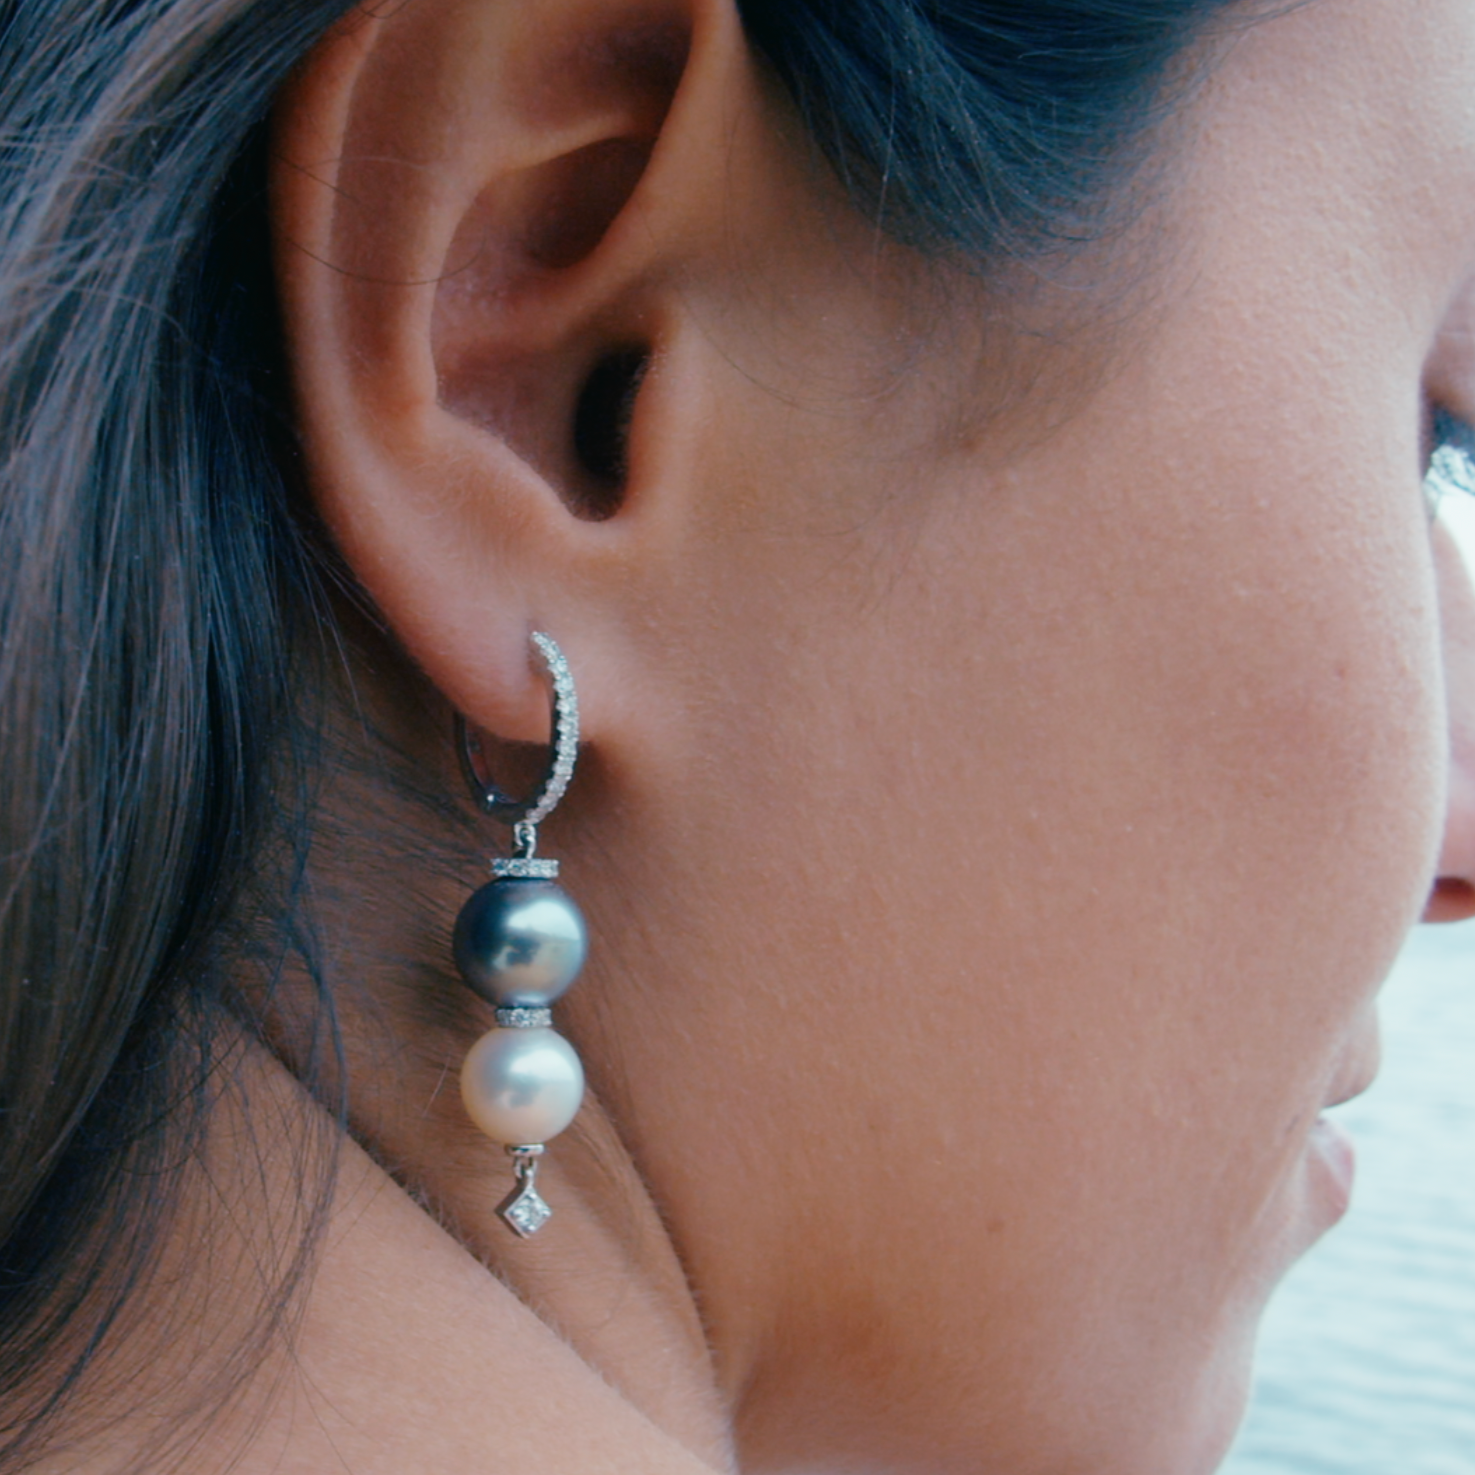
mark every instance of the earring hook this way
{"type": "Point", "coordinates": [525, 815]}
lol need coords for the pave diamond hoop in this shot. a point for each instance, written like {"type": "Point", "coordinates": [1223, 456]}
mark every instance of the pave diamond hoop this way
{"type": "Point", "coordinates": [519, 943]}
{"type": "Point", "coordinates": [563, 751]}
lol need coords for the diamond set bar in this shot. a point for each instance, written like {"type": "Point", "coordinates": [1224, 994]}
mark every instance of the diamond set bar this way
{"type": "Point", "coordinates": [565, 730]}
{"type": "Point", "coordinates": [524, 868]}
{"type": "Point", "coordinates": [517, 1016]}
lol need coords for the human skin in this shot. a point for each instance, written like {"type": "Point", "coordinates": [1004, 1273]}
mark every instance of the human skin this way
{"type": "Point", "coordinates": [1016, 744]}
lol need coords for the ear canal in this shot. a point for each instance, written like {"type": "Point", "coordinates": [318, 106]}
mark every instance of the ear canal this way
{"type": "Point", "coordinates": [601, 430]}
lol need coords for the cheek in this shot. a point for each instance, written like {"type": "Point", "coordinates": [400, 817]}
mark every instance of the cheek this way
{"type": "Point", "coordinates": [1111, 821]}
{"type": "Point", "coordinates": [1038, 853]}
{"type": "Point", "coordinates": [1175, 800]}
{"type": "Point", "coordinates": [1197, 782]}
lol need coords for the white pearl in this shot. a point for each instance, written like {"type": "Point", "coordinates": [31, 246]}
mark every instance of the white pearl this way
{"type": "Point", "coordinates": [522, 1086]}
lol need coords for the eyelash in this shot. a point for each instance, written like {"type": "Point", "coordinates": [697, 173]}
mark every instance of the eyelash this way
{"type": "Point", "coordinates": [1452, 461]}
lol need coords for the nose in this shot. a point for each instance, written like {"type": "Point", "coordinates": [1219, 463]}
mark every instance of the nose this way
{"type": "Point", "coordinates": [1453, 896]}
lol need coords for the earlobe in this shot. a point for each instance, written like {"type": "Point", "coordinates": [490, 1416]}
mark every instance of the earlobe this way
{"type": "Point", "coordinates": [471, 305]}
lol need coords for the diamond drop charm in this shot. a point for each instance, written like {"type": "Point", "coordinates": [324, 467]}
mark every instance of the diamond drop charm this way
{"type": "Point", "coordinates": [523, 1210]}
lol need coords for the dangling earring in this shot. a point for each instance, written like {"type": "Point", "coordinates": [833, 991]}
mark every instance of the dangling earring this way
{"type": "Point", "coordinates": [519, 943]}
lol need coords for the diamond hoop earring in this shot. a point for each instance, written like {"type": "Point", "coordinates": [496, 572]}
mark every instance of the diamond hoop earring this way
{"type": "Point", "coordinates": [519, 943]}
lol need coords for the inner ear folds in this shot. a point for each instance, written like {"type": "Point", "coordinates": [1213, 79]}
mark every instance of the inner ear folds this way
{"type": "Point", "coordinates": [575, 200]}
{"type": "Point", "coordinates": [519, 332]}
{"type": "Point", "coordinates": [528, 226]}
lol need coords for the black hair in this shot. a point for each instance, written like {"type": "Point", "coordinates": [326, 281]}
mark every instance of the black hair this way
{"type": "Point", "coordinates": [978, 128]}
{"type": "Point", "coordinates": [162, 592]}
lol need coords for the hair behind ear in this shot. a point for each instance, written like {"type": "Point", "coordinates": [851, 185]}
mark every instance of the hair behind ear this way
{"type": "Point", "coordinates": [153, 591]}
{"type": "Point", "coordinates": [981, 129]}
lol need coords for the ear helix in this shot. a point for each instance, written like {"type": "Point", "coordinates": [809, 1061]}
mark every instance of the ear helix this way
{"type": "Point", "coordinates": [519, 943]}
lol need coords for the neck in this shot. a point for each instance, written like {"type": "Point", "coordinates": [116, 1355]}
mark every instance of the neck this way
{"type": "Point", "coordinates": [414, 1344]}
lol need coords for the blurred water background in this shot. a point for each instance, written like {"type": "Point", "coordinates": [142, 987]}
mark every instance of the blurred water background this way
{"type": "Point", "coordinates": [1367, 1363]}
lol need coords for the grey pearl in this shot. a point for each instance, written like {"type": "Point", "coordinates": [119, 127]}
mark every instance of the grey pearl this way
{"type": "Point", "coordinates": [520, 943]}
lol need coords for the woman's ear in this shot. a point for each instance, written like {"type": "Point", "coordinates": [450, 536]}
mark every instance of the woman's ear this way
{"type": "Point", "coordinates": [480, 210]}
